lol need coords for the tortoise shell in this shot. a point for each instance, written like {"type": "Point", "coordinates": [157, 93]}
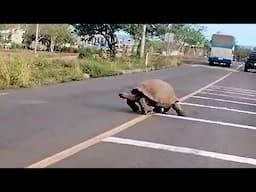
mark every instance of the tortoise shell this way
{"type": "Point", "coordinates": [158, 91]}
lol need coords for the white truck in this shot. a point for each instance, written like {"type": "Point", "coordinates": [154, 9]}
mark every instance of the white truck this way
{"type": "Point", "coordinates": [222, 49]}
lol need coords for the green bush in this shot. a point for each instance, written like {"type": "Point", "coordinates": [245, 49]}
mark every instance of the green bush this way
{"type": "Point", "coordinates": [27, 70]}
{"type": "Point", "coordinates": [17, 46]}
{"type": "Point", "coordinates": [97, 69]}
{"type": "Point", "coordinates": [85, 52]}
{"type": "Point", "coordinates": [159, 62]}
{"type": "Point", "coordinates": [16, 71]}
{"type": "Point", "coordinates": [128, 63]}
{"type": "Point", "coordinates": [58, 71]}
{"type": "Point", "coordinates": [69, 50]}
{"type": "Point", "coordinates": [157, 46]}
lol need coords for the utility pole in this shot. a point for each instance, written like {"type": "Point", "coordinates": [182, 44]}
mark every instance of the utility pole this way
{"type": "Point", "coordinates": [36, 42]}
{"type": "Point", "coordinates": [168, 39]}
{"type": "Point", "coordinates": [142, 47]}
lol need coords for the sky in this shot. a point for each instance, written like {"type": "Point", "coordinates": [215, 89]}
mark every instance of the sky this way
{"type": "Point", "coordinates": [245, 34]}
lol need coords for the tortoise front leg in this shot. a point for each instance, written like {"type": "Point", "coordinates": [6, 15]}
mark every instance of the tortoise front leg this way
{"type": "Point", "coordinates": [178, 109]}
{"type": "Point", "coordinates": [125, 95]}
{"type": "Point", "coordinates": [132, 105]}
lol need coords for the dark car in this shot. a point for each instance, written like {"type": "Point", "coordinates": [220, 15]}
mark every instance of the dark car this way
{"type": "Point", "coordinates": [250, 62]}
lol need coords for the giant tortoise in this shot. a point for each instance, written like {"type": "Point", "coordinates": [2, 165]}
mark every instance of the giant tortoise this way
{"type": "Point", "coordinates": [154, 93]}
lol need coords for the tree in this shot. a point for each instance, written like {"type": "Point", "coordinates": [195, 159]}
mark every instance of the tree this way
{"type": "Point", "coordinates": [207, 46]}
{"type": "Point", "coordinates": [12, 26]}
{"type": "Point", "coordinates": [6, 38]}
{"type": "Point", "coordinates": [157, 29]}
{"type": "Point", "coordinates": [136, 31]}
{"type": "Point", "coordinates": [29, 36]}
{"type": "Point", "coordinates": [51, 35]}
{"type": "Point", "coordinates": [188, 34]}
{"type": "Point", "coordinates": [195, 37]}
{"type": "Point", "coordinates": [57, 34]}
{"type": "Point", "coordinates": [241, 52]}
{"type": "Point", "coordinates": [106, 30]}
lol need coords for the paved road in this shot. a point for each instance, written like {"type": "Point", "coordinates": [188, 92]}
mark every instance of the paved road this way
{"type": "Point", "coordinates": [57, 126]}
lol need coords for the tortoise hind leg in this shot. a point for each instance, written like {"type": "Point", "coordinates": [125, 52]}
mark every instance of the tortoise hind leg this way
{"type": "Point", "coordinates": [143, 106]}
{"type": "Point", "coordinates": [166, 109]}
{"type": "Point", "coordinates": [157, 109]}
{"type": "Point", "coordinates": [161, 109]}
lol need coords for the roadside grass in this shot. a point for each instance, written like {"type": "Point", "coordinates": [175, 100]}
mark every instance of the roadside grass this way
{"type": "Point", "coordinates": [24, 69]}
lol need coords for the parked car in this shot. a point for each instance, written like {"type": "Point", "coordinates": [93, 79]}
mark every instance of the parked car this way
{"type": "Point", "coordinates": [250, 62]}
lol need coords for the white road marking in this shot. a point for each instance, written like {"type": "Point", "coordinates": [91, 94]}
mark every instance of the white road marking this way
{"type": "Point", "coordinates": [79, 147]}
{"type": "Point", "coordinates": [239, 66]}
{"type": "Point", "coordinates": [235, 88]}
{"type": "Point", "coordinates": [220, 108]}
{"type": "Point", "coordinates": [231, 92]}
{"type": "Point", "coordinates": [205, 87]}
{"type": "Point", "coordinates": [215, 67]}
{"type": "Point", "coordinates": [32, 102]}
{"type": "Point", "coordinates": [207, 121]}
{"type": "Point", "coordinates": [186, 150]}
{"type": "Point", "coordinates": [2, 94]}
{"type": "Point", "coordinates": [224, 100]}
{"type": "Point", "coordinates": [224, 95]}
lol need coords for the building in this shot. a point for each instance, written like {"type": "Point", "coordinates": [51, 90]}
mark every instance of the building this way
{"type": "Point", "coordinates": [124, 40]}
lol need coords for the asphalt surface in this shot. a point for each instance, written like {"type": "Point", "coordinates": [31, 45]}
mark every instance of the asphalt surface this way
{"type": "Point", "coordinates": [38, 123]}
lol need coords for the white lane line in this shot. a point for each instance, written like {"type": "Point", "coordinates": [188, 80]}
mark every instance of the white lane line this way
{"type": "Point", "coordinates": [230, 92]}
{"type": "Point", "coordinates": [224, 100]}
{"type": "Point", "coordinates": [178, 149]}
{"type": "Point", "coordinates": [224, 95]}
{"type": "Point", "coordinates": [81, 146]}
{"type": "Point", "coordinates": [94, 140]}
{"type": "Point", "coordinates": [220, 108]}
{"type": "Point", "coordinates": [239, 66]}
{"type": "Point", "coordinates": [2, 94]}
{"type": "Point", "coordinates": [32, 102]}
{"type": "Point", "coordinates": [215, 67]}
{"type": "Point", "coordinates": [234, 88]}
{"type": "Point", "coordinates": [207, 121]}
{"type": "Point", "coordinates": [205, 87]}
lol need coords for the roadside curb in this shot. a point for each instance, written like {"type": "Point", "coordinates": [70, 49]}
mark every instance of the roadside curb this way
{"type": "Point", "coordinates": [147, 69]}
